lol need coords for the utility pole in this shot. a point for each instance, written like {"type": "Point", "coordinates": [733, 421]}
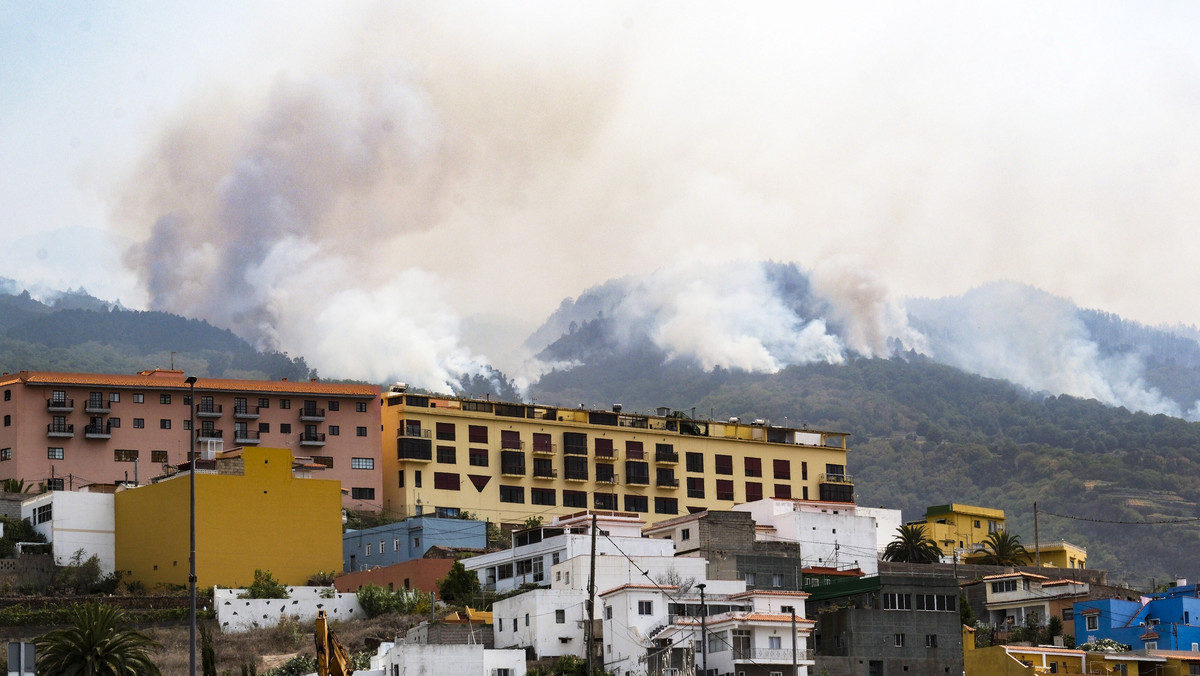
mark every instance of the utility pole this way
{"type": "Point", "coordinates": [191, 382]}
{"type": "Point", "coordinates": [589, 631]}
{"type": "Point", "coordinates": [703, 631]}
{"type": "Point", "coordinates": [795, 660]}
{"type": "Point", "coordinates": [1037, 545]}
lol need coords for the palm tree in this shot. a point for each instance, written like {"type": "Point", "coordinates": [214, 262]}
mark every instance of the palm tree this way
{"type": "Point", "coordinates": [16, 486]}
{"type": "Point", "coordinates": [1004, 549]}
{"type": "Point", "coordinates": [97, 643]}
{"type": "Point", "coordinates": [912, 545]}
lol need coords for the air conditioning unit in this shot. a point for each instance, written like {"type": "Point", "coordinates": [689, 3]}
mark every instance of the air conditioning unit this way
{"type": "Point", "coordinates": [670, 672]}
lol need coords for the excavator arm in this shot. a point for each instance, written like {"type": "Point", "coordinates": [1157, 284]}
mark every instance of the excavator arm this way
{"type": "Point", "coordinates": [332, 658]}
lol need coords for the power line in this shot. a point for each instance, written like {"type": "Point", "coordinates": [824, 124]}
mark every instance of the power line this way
{"type": "Point", "coordinates": [1123, 523]}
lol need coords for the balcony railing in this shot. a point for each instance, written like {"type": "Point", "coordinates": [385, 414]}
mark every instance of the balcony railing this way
{"type": "Point", "coordinates": [666, 457]}
{"type": "Point", "coordinates": [414, 432]}
{"type": "Point", "coordinates": [577, 475]}
{"type": "Point", "coordinates": [639, 479]}
{"type": "Point", "coordinates": [244, 411]}
{"type": "Point", "coordinates": [101, 431]}
{"type": "Point", "coordinates": [836, 479]}
{"type": "Point", "coordinates": [208, 410]}
{"type": "Point", "coordinates": [245, 436]}
{"type": "Point", "coordinates": [607, 479]}
{"type": "Point", "coordinates": [53, 404]}
{"type": "Point", "coordinates": [312, 438]}
{"type": "Point", "coordinates": [97, 406]}
{"type": "Point", "coordinates": [60, 430]}
{"type": "Point", "coordinates": [545, 473]}
{"type": "Point", "coordinates": [606, 453]}
{"type": "Point", "coordinates": [544, 449]}
{"type": "Point", "coordinates": [208, 434]}
{"type": "Point", "coordinates": [517, 445]}
{"type": "Point", "coordinates": [663, 482]}
{"type": "Point", "coordinates": [771, 655]}
{"type": "Point", "coordinates": [312, 414]}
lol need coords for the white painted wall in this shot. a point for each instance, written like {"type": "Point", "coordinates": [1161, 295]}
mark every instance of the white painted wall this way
{"type": "Point", "coordinates": [544, 633]}
{"type": "Point", "coordinates": [834, 535]}
{"type": "Point", "coordinates": [80, 520]}
{"type": "Point", "coordinates": [236, 615]}
{"type": "Point", "coordinates": [461, 660]}
{"type": "Point", "coordinates": [564, 547]}
{"type": "Point", "coordinates": [614, 571]}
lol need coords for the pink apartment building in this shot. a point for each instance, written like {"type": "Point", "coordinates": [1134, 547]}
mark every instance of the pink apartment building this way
{"type": "Point", "coordinates": [71, 429]}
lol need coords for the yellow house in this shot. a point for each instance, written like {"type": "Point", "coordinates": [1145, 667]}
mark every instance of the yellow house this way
{"type": "Point", "coordinates": [1059, 554]}
{"type": "Point", "coordinates": [1012, 660]}
{"type": "Point", "coordinates": [251, 512]}
{"type": "Point", "coordinates": [961, 527]}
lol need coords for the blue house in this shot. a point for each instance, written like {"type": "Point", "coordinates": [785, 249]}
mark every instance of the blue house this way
{"type": "Point", "coordinates": [409, 539]}
{"type": "Point", "coordinates": [1167, 620]}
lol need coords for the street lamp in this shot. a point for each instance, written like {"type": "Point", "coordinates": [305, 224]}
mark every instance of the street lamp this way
{"type": "Point", "coordinates": [703, 631]}
{"type": "Point", "coordinates": [191, 381]}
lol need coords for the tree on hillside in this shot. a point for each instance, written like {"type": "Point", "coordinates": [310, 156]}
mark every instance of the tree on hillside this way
{"type": "Point", "coordinates": [1004, 549]}
{"type": "Point", "coordinates": [97, 643]}
{"type": "Point", "coordinates": [912, 545]}
{"type": "Point", "coordinates": [459, 585]}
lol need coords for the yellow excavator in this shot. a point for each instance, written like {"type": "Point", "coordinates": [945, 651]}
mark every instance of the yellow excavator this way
{"type": "Point", "coordinates": [332, 658]}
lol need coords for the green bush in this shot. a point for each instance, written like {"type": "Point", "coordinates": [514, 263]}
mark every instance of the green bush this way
{"type": "Point", "coordinates": [265, 586]}
{"type": "Point", "coordinates": [376, 601]}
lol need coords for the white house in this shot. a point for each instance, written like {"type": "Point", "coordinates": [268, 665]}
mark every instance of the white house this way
{"type": "Point", "coordinates": [75, 520]}
{"type": "Point", "coordinates": [551, 621]}
{"type": "Point", "coordinates": [536, 550]}
{"type": "Point", "coordinates": [422, 659]}
{"type": "Point", "coordinates": [833, 535]}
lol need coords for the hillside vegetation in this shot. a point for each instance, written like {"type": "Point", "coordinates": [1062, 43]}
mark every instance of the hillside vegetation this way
{"type": "Point", "coordinates": [927, 434]}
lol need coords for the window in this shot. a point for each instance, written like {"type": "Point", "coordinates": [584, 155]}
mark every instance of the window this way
{"type": "Point", "coordinates": [574, 443]}
{"type": "Point", "coordinates": [724, 464]}
{"type": "Point", "coordinates": [724, 489]}
{"type": "Point", "coordinates": [285, 428]}
{"type": "Point", "coordinates": [636, 503]}
{"type": "Point", "coordinates": [898, 640]}
{"type": "Point", "coordinates": [784, 491]}
{"type": "Point", "coordinates": [164, 398]}
{"type": "Point", "coordinates": [477, 434]}
{"type": "Point", "coordinates": [187, 424]}
{"type": "Point", "coordinates": [158, 456]}
{"type": "Point", "coordinates": [416, 478]}
{"type": "Point", "coordinates": [54, 453]}
{"type": "Point", "coordinates": [512, 494]}
{"type": "Point", "coordinates": [125, 455]}
{"type": "Point", "coordinates": [754, 491]}
{"type": "Point", "coordinates": [447, 481]}
{"type": "Point", "coordinates": [1001, 586]}
{"type": "Point", "coordinates": [576, 468]}
{"type": "Point", "coordinates": [560, 616]}
{"type": "Point", "coordinates": [447, 455]}
{"type": "Point", "coordinates": [362, 463]}
{"type": "Point", "coordinates": [1053, 665]}
{"type": "Point", "coordinates": [574, 499]}
{"type": "Point", "coordinates": [1151, 645]}
{"type": "Point", "coordinates": [542, 496]}
{"type": "Point", "coordinates": [43, 513]}
{"type": "Point", "coordinates": [775, 642]}
{"type": "Point", "coordinates": [326, 460]}
{"type": "Point", "coordinates": [362, 493]}
{"type": "Point", "coordinates": [368, 552]}
{"type": "Point", "coordinates": [666, 506]}
{"type": "Point", "coordinates": [264, 428]}
{"type": "Point", "coordinates": [139, 398]}
{"type": "Point", "coordinates": [931, 642]}
{"type": "Point", "coordinates": [777, 580]}
{"type": "Point", "coordinates": [164, 423]}
{"type": "Point", "coordinates": [645, 607]}
{"type": "Point", "coordinates": [637, 472]}
{"type": "Point", "coordinates": [360, 407]}
{"type": "Point", "coordinates": [608, 612]}
{"type": "Point", "coordinates": [478, 457]}
{"type": "Point", "coordinates": [335, 405]}
{"type": "Point", "coordinates": [360, 431]}
{"type": "Point", "coordinates": [1068, 615]}
{"type": "Point", "coordinates": [605, 500]}
{"type": "Point", "coordinates": [751, 579]}
{"type": "Point", "coordinates": [1092, 622]}
{"type": "Point", "coordinates": [139, 423]}
{"type": "Point", "coordinates": [335, 430]}
{"type": "Point", "coordinates": [56, 484]}
{"type": "Point", "coordinates": [634, 450]}
{"type": "Point", "coordinates": [285, 403]}
{"type": "Point", "coordinates": [444, 431]}
{"type": "Point", "coordinates": [695, 487]}
{"type": "Point", "coordinates": [7, 420]}
{"type": "Point", "coordinates": [541, 443]}
{"type": "Point", "coordinates": [753, 466]}
{"type": "Point", "coordinates": [264, 402]}
{"type": "Point", "coordinates": [897, 601]}
{"type": "Point", "coordinates": [782, 469]}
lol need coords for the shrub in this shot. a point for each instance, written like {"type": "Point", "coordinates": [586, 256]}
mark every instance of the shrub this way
{"type": "Point", "coordinates": [265, 586]}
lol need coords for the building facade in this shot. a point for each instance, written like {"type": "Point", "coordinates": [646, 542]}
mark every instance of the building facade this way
{"type": "Point", "coordinates": [409, 539]}
{"type": "Point", "coordinates": [504, 461]}
{"type": "Point", "coordinates": [75, 522]}
{"type": "Point", "coordinates": [72, 429]}
{"type": "Point", "coordinates": [251, 513]}
{"type": "Point", "coordinates": [1167, 620]}
{"type": "Point", "coordinates": [961, 529]}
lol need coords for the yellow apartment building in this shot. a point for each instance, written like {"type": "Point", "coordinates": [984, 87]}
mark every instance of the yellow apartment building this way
{"type": "Point", "coordinates": [962, 527]}
{"type": "Point", "coordinates": [254, 509]}
{"type": "Point", "coordinates": [506, 462]}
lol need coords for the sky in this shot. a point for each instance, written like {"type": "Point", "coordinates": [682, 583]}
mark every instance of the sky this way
{"type": "Point", "coordinates": [410, 189]}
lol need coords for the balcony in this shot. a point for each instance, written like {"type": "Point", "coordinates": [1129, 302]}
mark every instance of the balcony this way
{"type": "Point", "coordinates": [312, 438]}
{"type": "Point", "coordinates": [663, 482]}
{"type": "Point", "coordinates": [517, 445]}
{"type": "Point", "coordinates": [60, 405]}
{"type": "Point", "coordinates": [606, 454]}
{"type": "Point", "coordinates": [545, 473]}
{"type": "Point", "coordinates": [97, 406]}
{"type": "Point", "coordinates": [312, 414]}
{"type": "Point", "coordinates": [666, 457]}
{"type": "Point", "coordinates": [577, 475]}
{"type": "Point", "coordinates": [101, 431]}
{"type": "Point", "coordinates": [607, 479]}
{"type": "Point", "coordinates": [208, 410]}
{"type": "Point", "coordinates": [544, 449]}
{"type": "Point", "coordinates": [512, 463]}
{"type": "Point", "coordinates": [771, 655]}
{"type": "Point", "coordinates": [208, 434]}
{"type": "Point", "coordinates": [836, 479]}
{"type": "Point", "coordinates": [246, 412]}
{"type": "Point", "coordinates": [414, 448]}
{"type": "Point", "coordinates": [415, 433]}
{"type": "Point", "coordinates": [245, 436]}
{"type": "Point", "coordinates": [60, 430]}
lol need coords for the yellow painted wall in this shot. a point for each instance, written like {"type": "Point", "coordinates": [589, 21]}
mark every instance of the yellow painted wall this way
{"type": "Point", "coordinates": [1063, 555]}
{"type": "Point", "coordinates": [959, 526]}
{"type": "Point", "coordinates": [992, 661]}
{"type": "Point", "coordinates": [737, 440]}
{"type": "Point", "coordinates": [264, 519]}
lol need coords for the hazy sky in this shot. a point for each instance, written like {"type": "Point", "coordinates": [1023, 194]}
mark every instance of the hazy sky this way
{"type": "Point", "coordinates": [456, 168]}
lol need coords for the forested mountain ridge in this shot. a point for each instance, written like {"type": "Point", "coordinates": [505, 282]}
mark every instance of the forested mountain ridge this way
{"type": "Point", "coordinates": [927, 434]}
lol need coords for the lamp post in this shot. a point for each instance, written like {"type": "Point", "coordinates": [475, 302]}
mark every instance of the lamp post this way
{"type": "Point", "coordinates": [191, 381]}
{"type": "Point", "coordinates": [703, 631]}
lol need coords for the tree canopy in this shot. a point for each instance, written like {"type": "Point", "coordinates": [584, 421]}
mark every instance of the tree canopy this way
{"type": "Point", "coordinates": [912, 545]}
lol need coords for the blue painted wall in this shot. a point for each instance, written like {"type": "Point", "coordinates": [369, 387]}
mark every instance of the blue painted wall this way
{"type": "Point", "coordinates": [1174, 615]}
{"type": "Point", "coordinates": [408, 539]}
